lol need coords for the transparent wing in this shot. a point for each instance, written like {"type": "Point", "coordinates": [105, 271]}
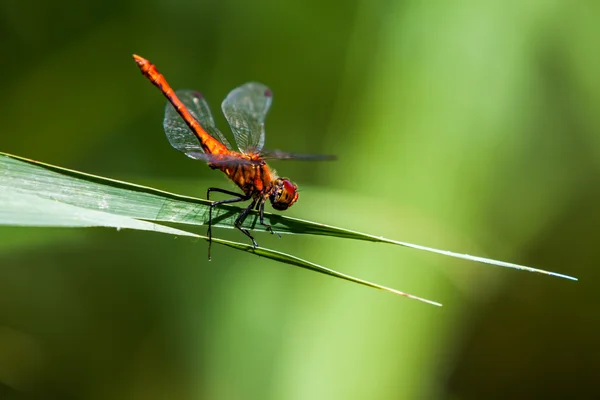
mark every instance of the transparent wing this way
{"type": "Point", "coordinates": [179, 134]}
{"type": "Point", "coordinates": [233, 160]}
{"type": "Point", "coordinates": [283, 155]}
{"type": "Point", "coordinates": [246, 108]}
{"type": "Point", "coordinates": [222, 159]}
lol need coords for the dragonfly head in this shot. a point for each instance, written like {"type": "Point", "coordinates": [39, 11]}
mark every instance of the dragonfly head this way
{"type": "Point", "coordinates": [284, 194]}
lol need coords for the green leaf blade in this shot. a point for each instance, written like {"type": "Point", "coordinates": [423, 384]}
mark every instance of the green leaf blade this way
{"type": "Point", "coordinates": [35, 194]}
{"type": "Point", "coordinates": [138, 202]}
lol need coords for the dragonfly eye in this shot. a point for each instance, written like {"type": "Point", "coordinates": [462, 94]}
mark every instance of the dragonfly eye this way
{"type": "Point", "coordinates": [284, 194]}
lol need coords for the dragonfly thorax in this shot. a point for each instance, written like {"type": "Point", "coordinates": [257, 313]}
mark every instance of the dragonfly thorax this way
{"type": "Point", "coordinates": [283, 194]}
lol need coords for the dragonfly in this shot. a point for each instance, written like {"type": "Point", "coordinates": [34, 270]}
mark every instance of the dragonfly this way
{"type": "Point", "coordinates": [191, 129]}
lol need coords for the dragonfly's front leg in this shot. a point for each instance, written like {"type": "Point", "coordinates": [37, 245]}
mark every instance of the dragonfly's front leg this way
{"type": "Point", "coordinates": [240, 219]}
{"type": "Point", "coordinates": [216, 203]}
{"type": "Point", "coordinates": [262, 219]}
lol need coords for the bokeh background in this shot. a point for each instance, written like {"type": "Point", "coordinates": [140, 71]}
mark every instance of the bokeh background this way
{"type": "Point", "coordinates": [466, 125]}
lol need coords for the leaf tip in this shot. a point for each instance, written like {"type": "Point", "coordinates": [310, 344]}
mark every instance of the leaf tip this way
{"type": "Point", "coordinates": [569, 277]}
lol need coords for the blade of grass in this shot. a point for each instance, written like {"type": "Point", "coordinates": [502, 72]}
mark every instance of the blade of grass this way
{"type": "Point", "coordinates": [141, 202]}
{"type": "Point", "coordinates": [314, 228]}
{"type": "Point", "coordinates": [24, 209]}
{"type": "Point", "coordinates": [292, 260]}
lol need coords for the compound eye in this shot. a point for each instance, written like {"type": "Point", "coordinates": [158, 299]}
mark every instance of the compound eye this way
{"type": "Point", "coordinates": [289, 187]}
{"type": "Point", "coordinates": [285, 195]}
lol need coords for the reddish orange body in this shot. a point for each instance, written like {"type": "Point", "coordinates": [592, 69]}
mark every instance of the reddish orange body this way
{"type": "Point", "coordinates": [208, 143]}
{"type": "Point", "coordinates": [255, 180]}
{"type": "Point", "coordinates": [247, 168]}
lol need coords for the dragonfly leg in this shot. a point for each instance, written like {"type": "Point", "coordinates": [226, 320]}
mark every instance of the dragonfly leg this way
{"type": "Point", "coordinates": [216, 203]}
{"type": "Point", "coordinates": [240, 219]}
{"type": "Point", "coordinates": [262, 220]}
{"type": "Point", "coordinates": [224, 191]}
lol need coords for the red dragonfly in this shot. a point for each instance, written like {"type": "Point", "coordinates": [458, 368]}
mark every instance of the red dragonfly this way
{"type": "Point", "coordinates": [191, 129]}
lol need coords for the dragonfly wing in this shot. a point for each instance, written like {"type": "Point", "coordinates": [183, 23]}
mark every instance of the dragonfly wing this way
{"type": "Point", "coordinates": [246, 108]}
{"type": "Point", "coordinates": [221, 160]}
{"type": "Point", "coordinates": [179, 134]}
{"type": "Point", "coordinates": [283, 155]}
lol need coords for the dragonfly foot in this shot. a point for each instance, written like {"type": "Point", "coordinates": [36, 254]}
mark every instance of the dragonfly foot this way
{"type": "Point", "coordinates": [270, 230]}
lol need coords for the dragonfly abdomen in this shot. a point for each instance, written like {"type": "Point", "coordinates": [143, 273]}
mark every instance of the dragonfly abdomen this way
{"type": "Point", "coordinates": [208, 143]}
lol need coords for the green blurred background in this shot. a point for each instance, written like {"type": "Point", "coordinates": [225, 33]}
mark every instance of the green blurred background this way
{"type": "Point", "coordinates": [469, 126]}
